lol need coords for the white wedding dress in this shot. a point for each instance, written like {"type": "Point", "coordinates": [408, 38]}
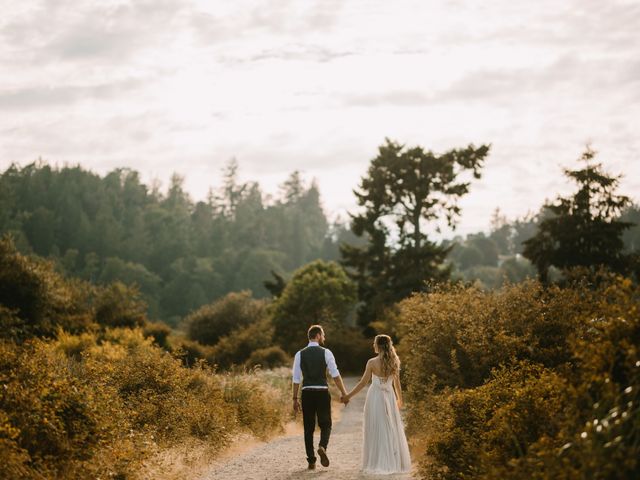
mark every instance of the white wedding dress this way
{"type": "Point", "coordinates": [384, 449]}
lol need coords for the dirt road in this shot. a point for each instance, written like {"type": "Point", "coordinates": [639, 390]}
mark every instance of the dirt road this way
{"type": "Point", "coordinates": [283, 458]}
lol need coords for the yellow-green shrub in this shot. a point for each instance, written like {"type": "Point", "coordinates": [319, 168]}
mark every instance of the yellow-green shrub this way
{"type": "Point", "coordinates": [160, 332]}
{"type": "Point", "coordinates": [80, 399]}
{"type": "Point", "coordinates": [98, 406]}
{"type": "Point", "coordinates": [160, 394]}
{"type": "Point", "coordinates": [260, 408]}
{"type": "Point", "coordinates": [189, 351]}
{"type": "Point", "coordinates": [497, 422]}
{"type": "Point", "coordinates": [54, 422]}
{"type": "Point", "coordinates": [526, 382]}
{"type": "Point", "coordinates": [457, 334]}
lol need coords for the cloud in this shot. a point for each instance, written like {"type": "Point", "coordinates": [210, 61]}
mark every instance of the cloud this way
{"type": "Point", "coordinates": [39, 97]}
{"type": "Point", "coordinates": [406, 98]}
{"type": "Point", "coordinates": [313, 53]}
{"type": "Point", "coordinates": [284, 20]}
{"type": "Point", "coordinates": [101, 30]}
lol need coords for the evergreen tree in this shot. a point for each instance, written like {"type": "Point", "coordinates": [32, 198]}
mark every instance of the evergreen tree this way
{"type": "Point", "coordinates": [583, 229]}
{"type": "Point", "coordinates": [404, 189]}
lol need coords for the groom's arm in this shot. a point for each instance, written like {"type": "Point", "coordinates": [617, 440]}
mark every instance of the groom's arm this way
{"type": "Point", "coordinates": [296, 403]}
{"type": "Point", "coordinates": [297, 378]}
{"type": "Point", "coordinates": [340, 384]}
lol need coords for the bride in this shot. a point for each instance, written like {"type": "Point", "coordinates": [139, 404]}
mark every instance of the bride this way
{"type": "Point", "coordinates": [385, 448]}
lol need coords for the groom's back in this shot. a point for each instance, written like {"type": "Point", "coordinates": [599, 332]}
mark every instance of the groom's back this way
{"type": "Point", "coordinates": [313, 366]}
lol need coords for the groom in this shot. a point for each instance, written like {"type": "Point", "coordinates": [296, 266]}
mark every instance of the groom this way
{"type": "Point", "coordinates": [309, 366]}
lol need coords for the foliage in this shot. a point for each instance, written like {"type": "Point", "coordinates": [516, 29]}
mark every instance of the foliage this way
{"type": "Point", "coordinates": [275, 286]}
{"type": "Point", "coordinates": [584, 229]}
{"type": "Point", "coordinates": [502, 384]}
{"type": "Point", "coordinates": [350, 348]}
{"type": "Point", "coordinates": [320, 292]}
{"type": "Point", "coordinates": [491, 260]}
{"type": "Point", "coordinates": [189, 351]}
{"type": "Point", "coordinates": [259, 407]}
{"type": "Point", "coordinates": [238, 346]}
{"type": "Point", "coordinates": [58, 424]}
{"type": "Point", "coordinates": [94, 401]}
{"type": "Point", "coordinates": [211, 322]}
{"type": "Point", "coordinates": [494, 423]}
{"type": "Point", "coordinates": [269, 357]}
{"type": "Point", "coordinates": [403, 190]}
{"type": "Point", "coordinates": [35, 300]}
{"type": "Point", "coordinates": [180, 253]}
{"type": "Point", "coordinates": [85, 406]}
{"type": "Point", "coordinates": [159, 332]}
{"type": "Point", "coordinates": [117, 305]}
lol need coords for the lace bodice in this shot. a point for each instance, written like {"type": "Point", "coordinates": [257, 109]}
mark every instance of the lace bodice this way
{"type": "Point", "coordinates": [385, 383]}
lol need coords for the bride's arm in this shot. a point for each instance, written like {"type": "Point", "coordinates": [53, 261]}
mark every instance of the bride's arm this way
{"type": "Point", "coordinates": [366, 378]}
{"type": "Point", "coordinates": [398, 388]}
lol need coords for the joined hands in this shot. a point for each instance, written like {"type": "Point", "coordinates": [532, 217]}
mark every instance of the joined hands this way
{"type": "Point", "coordinates": [345, 399]}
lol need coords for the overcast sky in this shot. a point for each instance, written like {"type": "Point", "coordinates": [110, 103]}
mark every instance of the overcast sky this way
{"type": "Point", "coordinates": [166, 86]}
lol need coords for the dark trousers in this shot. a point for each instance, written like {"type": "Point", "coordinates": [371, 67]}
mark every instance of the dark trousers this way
{"type": "Point", "coordinates": [316, 403]}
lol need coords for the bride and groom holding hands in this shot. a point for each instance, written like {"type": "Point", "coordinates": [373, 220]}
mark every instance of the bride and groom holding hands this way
{"type": "Point", "coordinates": [384, 448]}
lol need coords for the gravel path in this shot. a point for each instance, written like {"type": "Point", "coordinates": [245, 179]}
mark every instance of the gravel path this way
{"type": "Point", "coordinates": [283, 458]}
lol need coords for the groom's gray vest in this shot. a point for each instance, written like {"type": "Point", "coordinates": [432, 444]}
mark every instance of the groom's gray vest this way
{"type": "Point", "coordinates": [313, 366]}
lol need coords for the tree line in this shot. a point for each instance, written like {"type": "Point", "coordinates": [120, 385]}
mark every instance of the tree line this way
{"type": "Point", "coordinates": [181, 254]}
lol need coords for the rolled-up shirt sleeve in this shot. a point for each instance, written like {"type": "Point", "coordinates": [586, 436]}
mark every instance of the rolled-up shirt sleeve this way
{"type": "Point", "coordinates": [297, 371]}
{"type": "Point", "coordinates": [331, 363]}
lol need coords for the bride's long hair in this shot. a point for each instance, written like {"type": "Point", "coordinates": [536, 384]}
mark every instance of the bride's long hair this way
{"type": "Point", "coordinates": [388, 356]}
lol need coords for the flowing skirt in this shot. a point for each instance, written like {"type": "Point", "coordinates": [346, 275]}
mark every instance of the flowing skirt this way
{"type": "Point", "coordinates": [384, 449]}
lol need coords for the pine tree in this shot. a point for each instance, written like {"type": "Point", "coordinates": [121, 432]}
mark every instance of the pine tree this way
{"type": "Point", "coordinates": [583, 229]}
{"type": "Point", "coordinates": [403, 191]}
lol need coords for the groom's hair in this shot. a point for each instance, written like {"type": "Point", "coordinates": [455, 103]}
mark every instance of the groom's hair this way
{"type": "Point", "coordinates": [314, 331]}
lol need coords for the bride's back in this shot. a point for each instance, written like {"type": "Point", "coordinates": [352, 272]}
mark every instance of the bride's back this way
{"type": "Point", "coordinates": [376, 369]}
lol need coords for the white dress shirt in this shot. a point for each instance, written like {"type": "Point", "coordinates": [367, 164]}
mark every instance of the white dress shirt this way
{"type": "Point", "coordinates": [328, 358]}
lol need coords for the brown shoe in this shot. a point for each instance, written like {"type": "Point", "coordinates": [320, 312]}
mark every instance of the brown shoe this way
{"type": "Point", "coordinates": [312, 466]}
{"type": "Point", "coordinates": [324, 460]}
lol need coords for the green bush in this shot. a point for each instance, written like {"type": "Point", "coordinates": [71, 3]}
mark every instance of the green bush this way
{"type": "Point", "coordinates": [319, 292]}
{"type": "Point", "coordinates": [236, 347]}
{"type": "Point", "coordinates": [211, 322]}
{"type": "Point", "coordinates": [269, 357]}
{"type": "Point", "coordinates": [118, 305]}
{"type": "Point", "coordinates": [350, 348]}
